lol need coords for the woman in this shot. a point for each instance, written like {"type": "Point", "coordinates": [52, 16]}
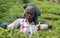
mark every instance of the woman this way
{"type": "Point", "coordinates": [28, 25]}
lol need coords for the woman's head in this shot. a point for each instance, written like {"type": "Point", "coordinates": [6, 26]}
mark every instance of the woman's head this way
{"type": "Point", "coordinates": [30, 13]}
{"type": "Point", "coordinates": [36, 11]}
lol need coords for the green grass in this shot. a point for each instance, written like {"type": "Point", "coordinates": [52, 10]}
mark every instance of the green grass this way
{"type": "Point", "coordinates": [50, 13]}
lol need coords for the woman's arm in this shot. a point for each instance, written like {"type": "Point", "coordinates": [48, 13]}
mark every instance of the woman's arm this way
{"type": "Point", "coordinates": [14, 24]}
{"type": "Point", "coordinates": [44, 26]}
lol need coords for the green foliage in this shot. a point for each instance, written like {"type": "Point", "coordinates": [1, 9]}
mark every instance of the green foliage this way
{"type": "Point", "coordinates": [11, 9]}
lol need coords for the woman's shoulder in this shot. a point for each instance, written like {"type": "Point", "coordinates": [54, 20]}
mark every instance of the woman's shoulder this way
{"type": "Point", "coordinates": [20, 19]}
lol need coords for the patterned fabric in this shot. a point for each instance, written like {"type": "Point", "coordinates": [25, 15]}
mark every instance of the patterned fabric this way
{"type": "Point", "coordinates": [26, 27]}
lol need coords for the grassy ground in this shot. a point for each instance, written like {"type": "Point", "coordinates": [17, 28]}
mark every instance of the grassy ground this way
{"type": "Point", "coordinates": [50, 13]}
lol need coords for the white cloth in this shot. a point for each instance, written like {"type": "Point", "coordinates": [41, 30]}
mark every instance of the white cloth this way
{"type": "Point", "coordinates": [43, 26]}
{"type": "Point", "coordinates": [28, 28]}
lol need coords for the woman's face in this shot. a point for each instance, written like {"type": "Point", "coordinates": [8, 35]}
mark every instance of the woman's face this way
{"type": "Point", "coordinates": [30, 13]}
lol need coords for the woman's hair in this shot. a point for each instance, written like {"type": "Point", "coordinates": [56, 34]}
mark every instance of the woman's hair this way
{"type": "Point", "coordinates": [37, 12]}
